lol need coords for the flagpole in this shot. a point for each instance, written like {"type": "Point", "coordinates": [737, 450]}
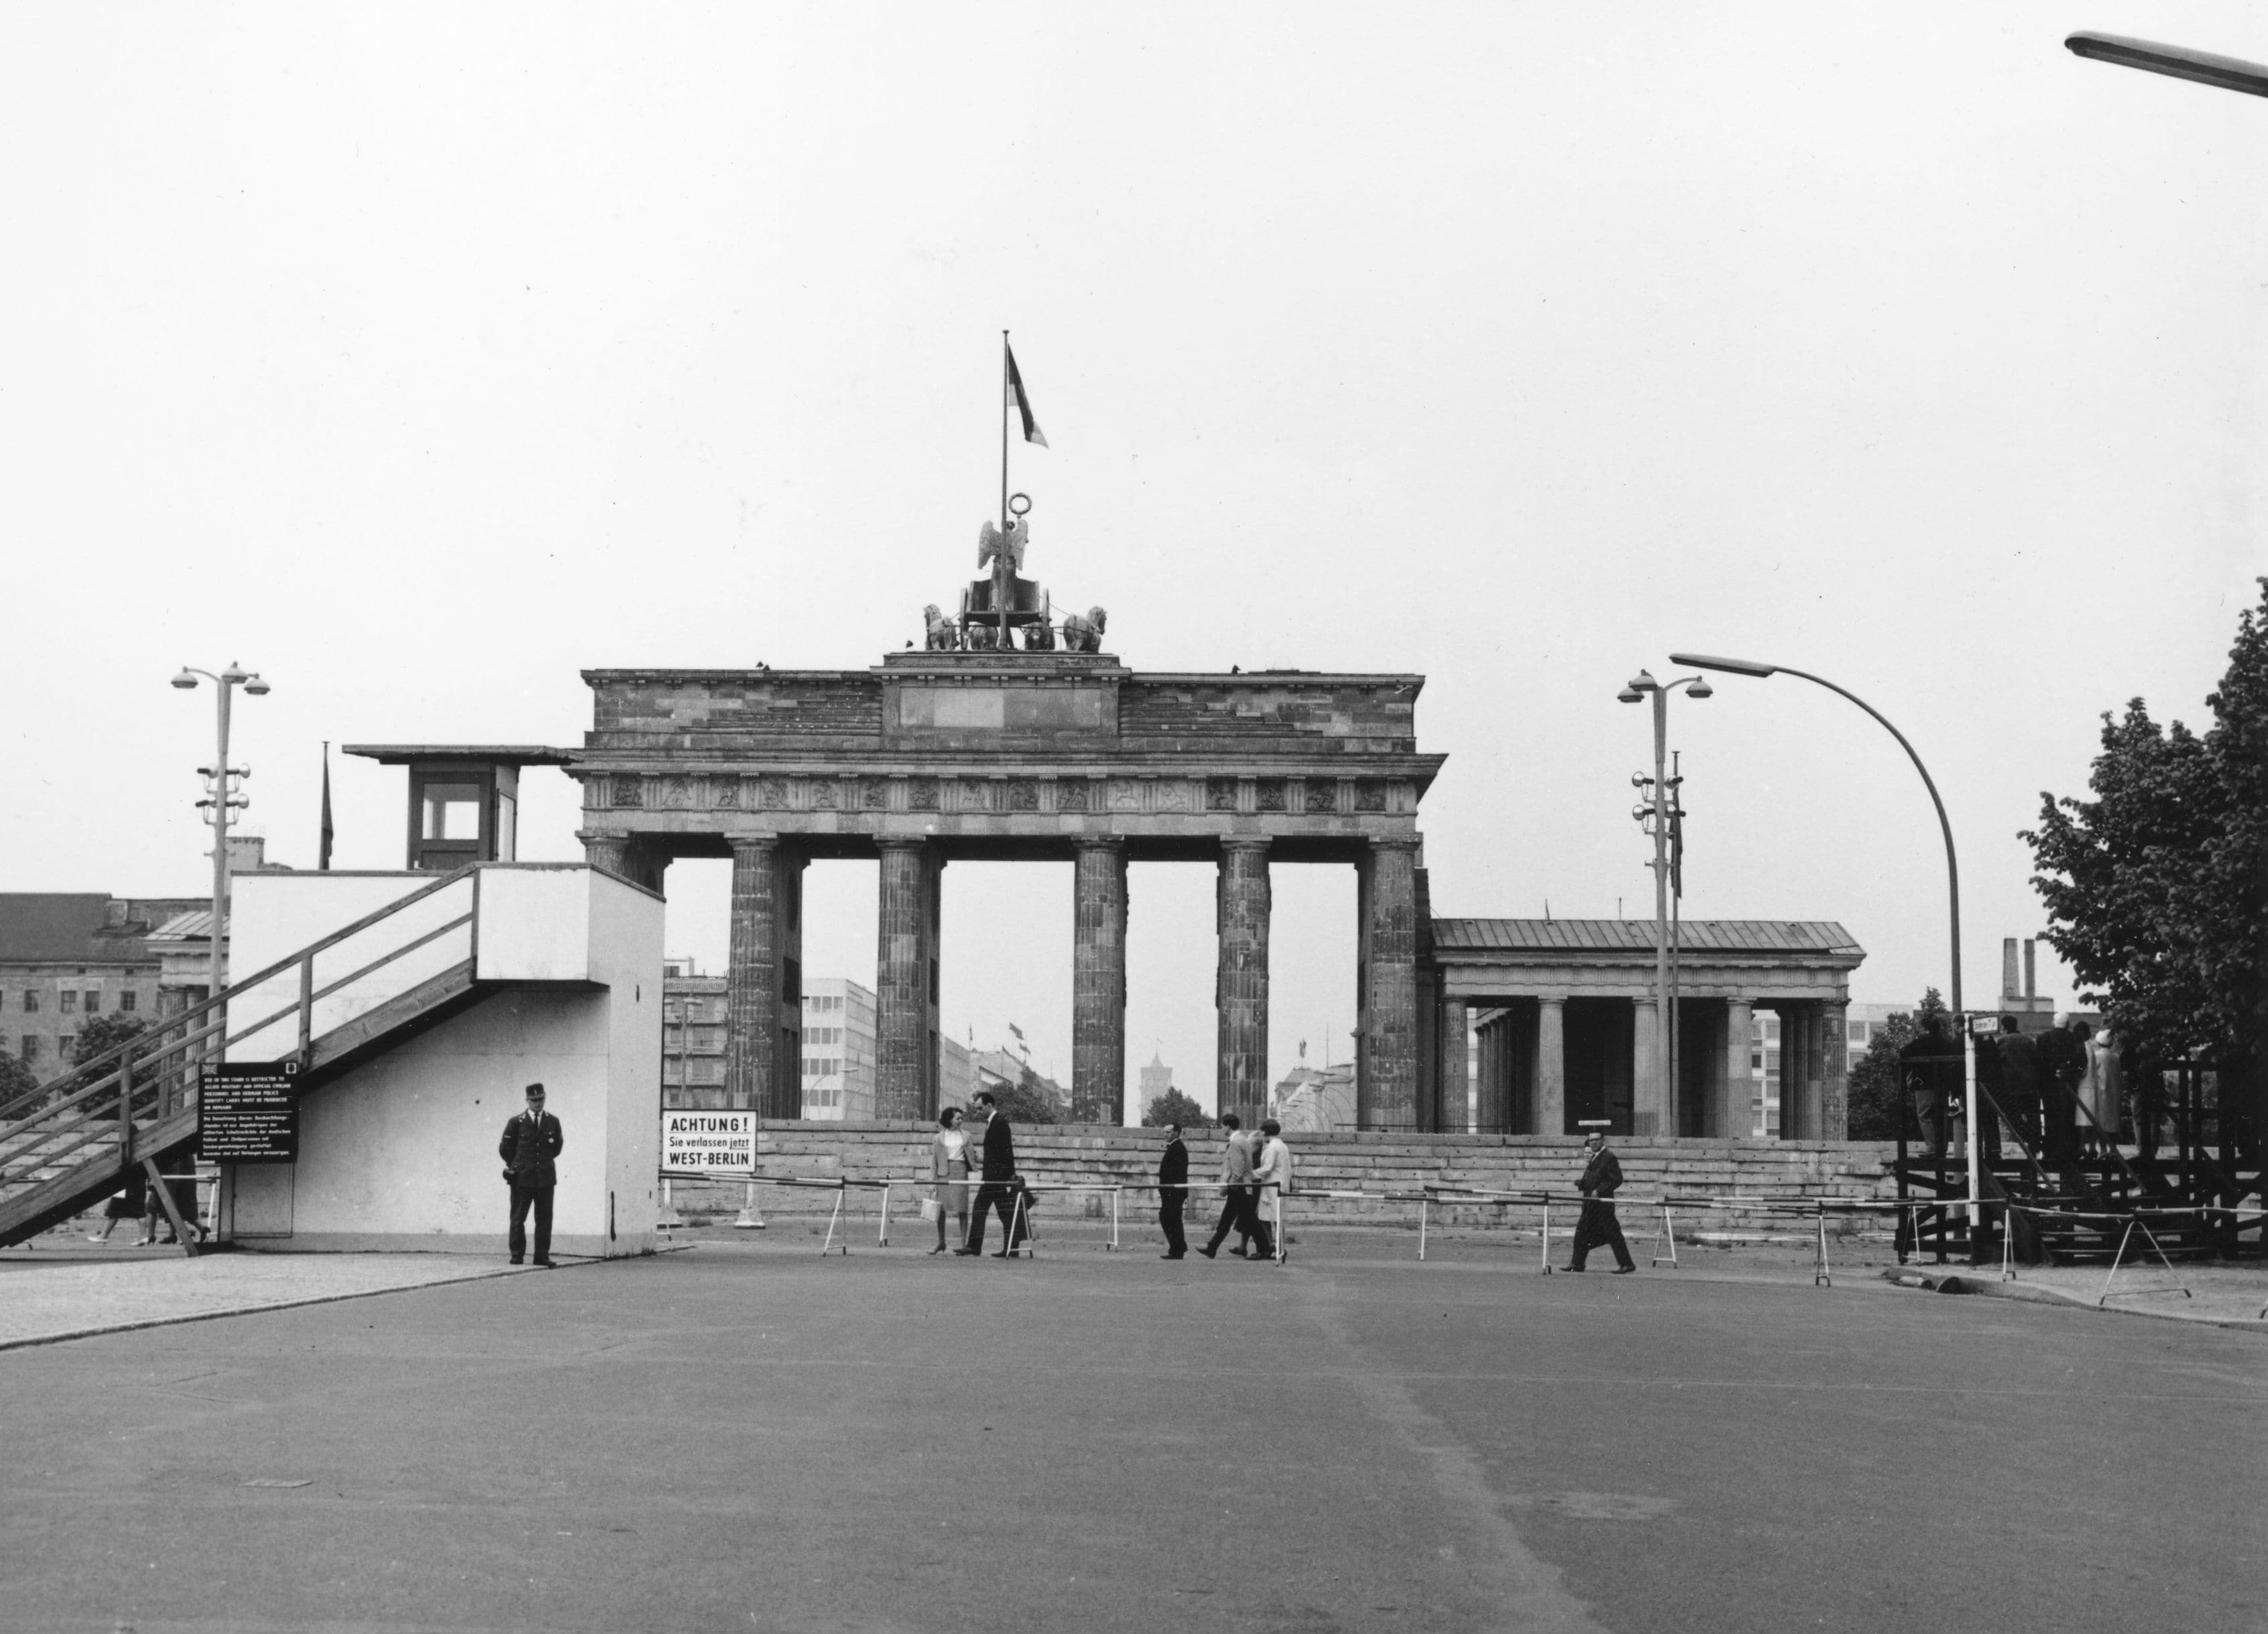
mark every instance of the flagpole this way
{"type": "Point", "coordinates": [1003, 432]}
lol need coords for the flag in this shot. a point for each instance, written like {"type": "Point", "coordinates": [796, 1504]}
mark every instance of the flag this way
{"type": "Point", "coordinates": [323, 853]}
{"type": "Point", "coordinates": [1018, 1031]}
{"type": "Point", "coordinates": [1019, 403]}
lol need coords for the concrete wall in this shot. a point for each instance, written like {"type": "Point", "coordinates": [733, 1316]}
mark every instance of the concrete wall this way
{"type": "Point", "coordinates": [401, 1152]}
{"type": "Point", "coordinates": [272, 916]}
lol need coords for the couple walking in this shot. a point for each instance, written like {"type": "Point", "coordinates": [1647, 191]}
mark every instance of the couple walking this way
{"type": "Point", "coordinates": [1254, 1186]}
{"type": "Point", "coordinates": [949, 1165]}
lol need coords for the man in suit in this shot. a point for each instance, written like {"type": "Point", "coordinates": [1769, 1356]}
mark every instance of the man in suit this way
{"type": "Point", "coordinates": [1000, 1181]}
{"type": "Point", "coordinates": [1173, 1186]}
{"type": "Point", "coordinates": [1236, 1197]}
{"type": "Point", "coordinates": [532, 1142]}
{"type": "Point", "coordinates": [1603, 1177]}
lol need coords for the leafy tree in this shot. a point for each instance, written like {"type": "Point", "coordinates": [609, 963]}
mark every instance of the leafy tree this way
{"type": "Point", "coordinates": [2157, 888]}
{"type": "Point", "coordinates": [1026, 1100]}
{"type": "Point", "coordinates": [1174, 1107]}
{"type": "Point", "coordinates": [107, 1032]}
{"type": "Point", "coordinates": [16, 1078]}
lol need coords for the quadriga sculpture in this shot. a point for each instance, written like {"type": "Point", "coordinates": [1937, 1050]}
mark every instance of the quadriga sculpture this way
{"type": "Point", "coordinates": [1085, 634]}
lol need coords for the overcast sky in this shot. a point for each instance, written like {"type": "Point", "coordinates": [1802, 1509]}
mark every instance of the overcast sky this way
{"type": "Point", "coordinates": [420, 357]}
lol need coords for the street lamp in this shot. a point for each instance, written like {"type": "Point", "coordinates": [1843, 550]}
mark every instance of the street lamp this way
{"type": "Point", "coordinates": [1640, 686]}
{"type": "Point", "coordinates": [2177, 61]}
{"type": "Point", "coordinates": [221, 782]}
{"type": "Point", "coordinates": [1744, 666]}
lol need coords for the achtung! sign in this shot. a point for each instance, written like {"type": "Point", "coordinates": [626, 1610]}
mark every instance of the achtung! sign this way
{"type": "Point", "coordinates": [709, 1143]}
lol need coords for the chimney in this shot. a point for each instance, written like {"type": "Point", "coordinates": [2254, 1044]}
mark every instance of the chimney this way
{"type": "Point", "coordinates": [2031, 987]}
{"type": "Point", "coordinates": [2008, 968]}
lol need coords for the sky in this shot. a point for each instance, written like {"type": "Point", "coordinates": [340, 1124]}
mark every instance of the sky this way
{"type": "Point", "coordinates": [422, 356]}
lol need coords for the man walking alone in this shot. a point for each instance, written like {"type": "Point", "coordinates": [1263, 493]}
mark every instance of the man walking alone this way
{"type": "Point", "coordinates": [1603, 1177]}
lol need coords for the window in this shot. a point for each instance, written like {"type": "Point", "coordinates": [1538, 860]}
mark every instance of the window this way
{"type": "Point", "coordinates": [63, 1044]}
{"type": "Point", "coordinates": [70, 1004]}
{"type": "Point", "coordinates": [129, 999]}
{"type": "Point", "coordinates": [453, 810]}
{"type": "Point", "coordinates": [1858, 1032]}
{"type": "Point", "coordinates": [31, 1001]}
{"type": "Point", "coordinates": [1772, 1030]}
{"type": "Point", "coordinates": [31, 1045]}
{"type": "Point", "coordinates": [93, 1000]}
{"type": "Point", "coordinates": [1755, 1061]}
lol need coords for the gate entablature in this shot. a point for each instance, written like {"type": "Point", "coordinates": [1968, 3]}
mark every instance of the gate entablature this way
{"type": "Point", "coordinates": [985, 746]}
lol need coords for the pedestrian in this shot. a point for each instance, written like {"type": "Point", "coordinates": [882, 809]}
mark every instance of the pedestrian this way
{"type": "Point", "coordinates": [948, 1167]}
{"type": "Point", "coordinates": [2019, 1085]}
{"type": "Point", "coordinates": [2062, 1059]}
{"type": "Point", "coordinates": [530, 1145]}
{"type": "Point", "coordinates": [182, 1190]}
{"type": "Point", "coordinates": [1236, 1190]}
{"type": "Point", "coordinates": [1603, 1177]}
{"type": "Point", "coordinates": [1173, 1186]}
{"type": "Point", "coordinates": [127, 1205]}
{"type": "Point", "coordinates": [1929, 1066]}
{"type": "Point", "coordinates": [1001, 1184]}
{"type": "Point", "coordinates": [1271, 1179]}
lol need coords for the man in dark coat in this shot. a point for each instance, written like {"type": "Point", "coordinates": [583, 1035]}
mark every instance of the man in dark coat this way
{"type": "Point", "coordinates": [1000, 1180]}
{"type": "Point", "coordinates": [1929, 1068]}
{"type": "Point", "coordinates": [1603, 1177]}
{"type": "Point", "coordinates": [2060, 1054]}
{"type": "Point", "coordinates": [2019, 1086]}
{"type": "Point", "coordinates": [1172, 1187]}
{"type": "Point", "coordinates": [532, 1142]}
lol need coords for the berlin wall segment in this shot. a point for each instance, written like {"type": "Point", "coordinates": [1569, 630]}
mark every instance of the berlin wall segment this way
{"type": "Point", "coordinates": [934, 756]}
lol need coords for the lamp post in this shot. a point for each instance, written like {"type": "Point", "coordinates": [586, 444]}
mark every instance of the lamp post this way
{"type": "Point", "coordinates": [2177, 61]}
{"type": "Point", "coordinates": [1640, 686]}
{"type": "Point", "coordinates": [221, 782]}
{"type": "Point", "coordinates": [1744, 666]}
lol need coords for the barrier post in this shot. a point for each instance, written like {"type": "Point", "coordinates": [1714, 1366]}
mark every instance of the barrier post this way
{"type": "Point", "coordinates": [827, 1247]}
{"type": "Point", "coordinates": [750, 1218]}
{"type": "Point", "coordinates": [2008, 1247]}
{"type": "Point", "coordinates": [1112, 1246]}
{"type": "Point", "coordinates": [884, 1240]}
{"type": "Point", "coordinates": [1283, 1225]}
{"type": "Point", "coordinates": [1019, 1217]}
{"type": "Point", "coordinates": [1424, 1198]}
{"type": "Point", "coordinates": [1820, 1273]}
{"type": "Point", "coordinates": [1546, 1266]}
{"type": "Point", "coordinates": [1670, 1235]}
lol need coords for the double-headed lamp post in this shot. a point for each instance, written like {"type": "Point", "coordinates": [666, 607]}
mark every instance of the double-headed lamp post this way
{"type": "Point", "coordinates": [1640, 686]}
{"type": "Point", "coordinates": [221, 784]}
{"type": "Point", "coordinates": [1745, 666]}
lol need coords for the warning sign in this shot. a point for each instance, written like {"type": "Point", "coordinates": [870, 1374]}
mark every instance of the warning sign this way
{"type": "Point", "coordinates": [247, 1112]}
{"type": "Point", "coordinates": [709, 1143]}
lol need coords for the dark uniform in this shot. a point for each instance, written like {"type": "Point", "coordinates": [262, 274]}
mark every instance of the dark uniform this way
{"type": "Point", "coordinates": [531, 1143]}
{"type": "Point", "coordinates": [1603, 1177]}
{"type": "Point", "coordinates": [1172, 1187]}
{"type": "Point", "coordinates": [999, 1188]}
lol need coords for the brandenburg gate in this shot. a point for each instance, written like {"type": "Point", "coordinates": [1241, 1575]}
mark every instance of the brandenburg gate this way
{"type": "Point", "coordinates": [999, 752]}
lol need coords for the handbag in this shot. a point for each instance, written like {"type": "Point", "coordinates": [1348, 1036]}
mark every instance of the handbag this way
{"type": "Point", "coordinates": [932, 1209]}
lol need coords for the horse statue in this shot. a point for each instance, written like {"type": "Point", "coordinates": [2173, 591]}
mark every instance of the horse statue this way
{"type": "Point", "coordinates": [1039, 637]}
{"type": "Point", "coordinates": [944, 633]}
{"type": "Point", "coordinates": [1085, 634]}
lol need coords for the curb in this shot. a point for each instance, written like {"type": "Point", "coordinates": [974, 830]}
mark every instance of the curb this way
{"type": "Point", "coordinates": [1993, 1287]}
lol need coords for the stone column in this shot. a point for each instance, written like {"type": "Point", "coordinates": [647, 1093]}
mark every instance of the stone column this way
{"type": "Point", "coordinates": [1735, 1117]}
{"type": "Point", "coordinates": [905, 982]}
{"type": "Point", "coordinates": [1645, 1070]}
{"type": "Point", "coordinates": [1386, 1080]}
{"type": "Point", "coordinates": [607, 852]}
{"type": "Point", "coordinates": [755, 1078]}
{"type": "Point", "coordinates": [1098, 984]}
{"type": "Point", "coordinates": [1449, 1109]}
{"type": "Point", "coordinates": [1240, 988]}
{"type": "Point", "coordinates": [1834, 1073]}
{"type": "Point", "coordinates": [1551, 1063]}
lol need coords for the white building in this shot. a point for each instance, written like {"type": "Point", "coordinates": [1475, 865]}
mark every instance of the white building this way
{"type": "Point", "coordinates": [838, 1050]}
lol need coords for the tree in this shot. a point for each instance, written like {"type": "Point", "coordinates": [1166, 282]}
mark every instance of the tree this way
{"type": "Point", "coordinates": [1025, 1100]}
{"type": "Point", "coordinates": [16, 1078]}
{"type": "Point", "coordinates": [1174, 1107]}
{"type": "Point", "coordinates": [2157, 888]}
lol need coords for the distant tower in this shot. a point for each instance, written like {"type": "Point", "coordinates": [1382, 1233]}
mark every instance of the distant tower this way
{"type": "Point", "coordinates": [1157, 1079]}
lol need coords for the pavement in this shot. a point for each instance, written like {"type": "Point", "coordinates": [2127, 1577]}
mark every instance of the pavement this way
{"type": "Point", "coordinates": [748, 1435]}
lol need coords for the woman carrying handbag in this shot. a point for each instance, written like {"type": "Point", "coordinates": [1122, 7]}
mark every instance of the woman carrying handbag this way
{"type": "Point", "coordinates": [948, 1169]}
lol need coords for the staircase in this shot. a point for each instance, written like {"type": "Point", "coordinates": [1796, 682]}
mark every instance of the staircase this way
{"type": "Point", "coordinates": [362, 989]}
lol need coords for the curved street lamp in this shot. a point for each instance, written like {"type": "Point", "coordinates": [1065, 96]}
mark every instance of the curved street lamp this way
{"type": "Point", "coordinates": [2228, 73]}
{"type": "Point", "coordinates": [1640, 688]}
{"type": "Point", "coordinates": [221, 798]}
{"type": "Point", "coordinates": [1747, 667]}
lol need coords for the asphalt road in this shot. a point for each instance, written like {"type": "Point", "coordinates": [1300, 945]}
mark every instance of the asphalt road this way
{"type": "Point", "coordinates": [747, 1437]}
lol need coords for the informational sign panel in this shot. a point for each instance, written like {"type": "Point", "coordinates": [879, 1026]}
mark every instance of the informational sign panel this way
{"type": "Point", "coordinates": [248, 1112]}
{"type": "Point", "coordinates": [722, 1144]}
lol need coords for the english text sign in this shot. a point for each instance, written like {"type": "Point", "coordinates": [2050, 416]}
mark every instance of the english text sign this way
{"type": "Point", "coordinates": [248, 1112]}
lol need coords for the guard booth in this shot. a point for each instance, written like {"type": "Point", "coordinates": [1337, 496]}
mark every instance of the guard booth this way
{"type": "Point", "coordinates": [464, 799]}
